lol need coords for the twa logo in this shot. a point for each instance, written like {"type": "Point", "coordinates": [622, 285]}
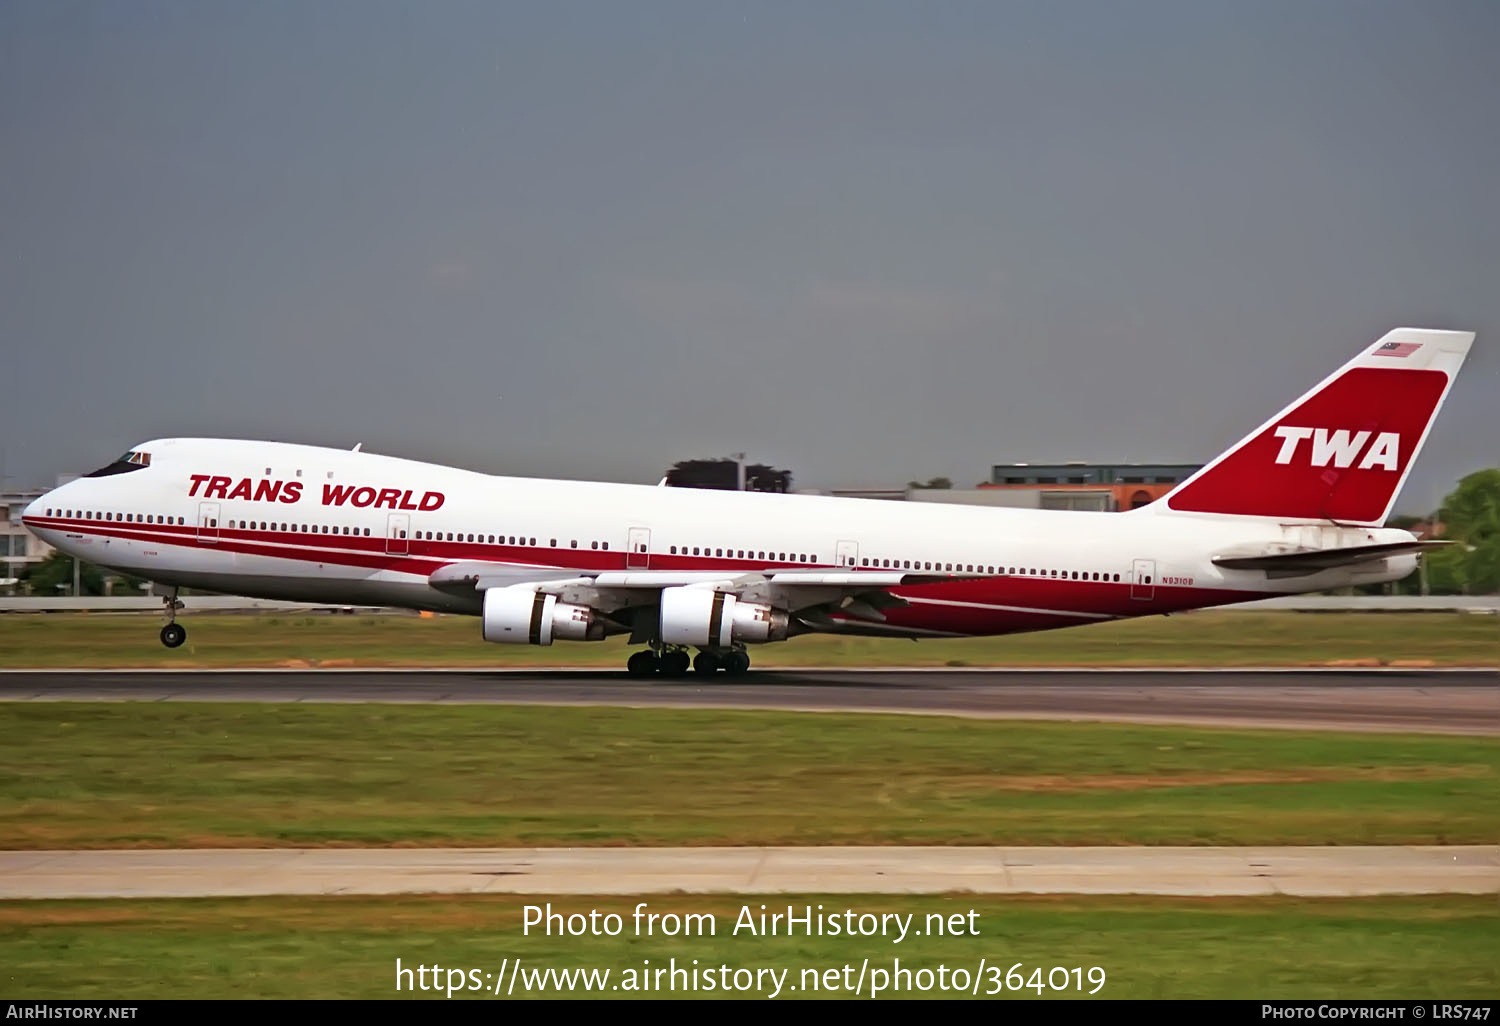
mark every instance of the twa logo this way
{"type": "Point", "coordinates": [1340, 447]}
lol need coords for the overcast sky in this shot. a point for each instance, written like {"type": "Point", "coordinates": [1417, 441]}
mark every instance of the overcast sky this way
{"type": "Point", "coordinates": [862, 241]}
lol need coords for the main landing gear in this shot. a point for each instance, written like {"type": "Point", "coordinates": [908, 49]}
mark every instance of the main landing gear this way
{"type": "Point", "coordinates": [173, 634]}
{"type": "Point", "coordinates": [673, 662]}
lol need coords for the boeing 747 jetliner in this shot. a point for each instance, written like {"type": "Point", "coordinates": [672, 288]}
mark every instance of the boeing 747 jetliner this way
{"type": "Point", "coordinates": [1296, 506]}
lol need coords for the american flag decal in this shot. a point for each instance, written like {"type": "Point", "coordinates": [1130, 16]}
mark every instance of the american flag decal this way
{"type": "Point", "coordinates": [1398, 349]}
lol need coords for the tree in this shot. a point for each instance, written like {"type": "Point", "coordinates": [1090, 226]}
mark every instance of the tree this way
{"type": "Point", "coordinates": [936, 482]}
{"type": "Point", "coordinates": [1471, 515]}
{"type": "Point", "coordinates": [43, 578]}
{"type": "Point", "coordinates": [725, 474]}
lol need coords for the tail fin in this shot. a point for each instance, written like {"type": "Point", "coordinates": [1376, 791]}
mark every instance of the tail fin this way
{"type": "Point", "coordinates": [1343, 450]}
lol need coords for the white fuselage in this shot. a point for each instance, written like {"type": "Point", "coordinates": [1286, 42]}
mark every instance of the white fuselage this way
{"type": "Point", "coordinates": [300, 522]}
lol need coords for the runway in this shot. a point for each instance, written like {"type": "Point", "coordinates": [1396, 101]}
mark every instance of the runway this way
{"type": "Point", "coordinates": [1437, 701]}
{"type": "Point", "coordinates": [1311, 872]}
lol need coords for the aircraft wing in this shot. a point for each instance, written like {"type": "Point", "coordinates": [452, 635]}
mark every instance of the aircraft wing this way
{"type": "Point", "coordinates": [1301, 562]}
{"type": "Point", "coordinates": [812, 595]}
{"type": "Point", "coordinates": [480, 576]}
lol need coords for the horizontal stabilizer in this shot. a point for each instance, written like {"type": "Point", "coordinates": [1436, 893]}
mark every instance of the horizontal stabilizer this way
{"type": "Point", "coordinates": [1310, 561]}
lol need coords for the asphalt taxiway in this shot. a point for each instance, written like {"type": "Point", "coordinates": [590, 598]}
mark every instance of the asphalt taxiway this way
{"type": "Point", "coordinates": [1440, 701]}
{"type": "Point", "coordinates": [1303, 871]}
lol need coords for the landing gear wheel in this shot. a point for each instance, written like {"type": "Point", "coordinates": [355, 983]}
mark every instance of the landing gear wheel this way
{"type": "Point", "coordinates": [173, 635]}
{"type": "Point", "coordinates": [705, 664]}
{"type": "Point", "coordinates": [737, 662]}
{"type": "Point", "coordinates": [674, 663]}
{"type": "Point", "coordinates": [643, 664]}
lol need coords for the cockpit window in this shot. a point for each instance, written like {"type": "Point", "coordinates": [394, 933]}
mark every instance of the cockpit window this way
{"type": "Point", "coordinates": [124, 465]}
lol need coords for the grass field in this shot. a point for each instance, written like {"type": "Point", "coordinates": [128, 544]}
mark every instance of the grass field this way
{"type": "Point", "coordinates": [1190, 639]}
{"type": "Point", "coordinates": [91, 775]}
{"type": "Point", "coordinates": [344, 947]}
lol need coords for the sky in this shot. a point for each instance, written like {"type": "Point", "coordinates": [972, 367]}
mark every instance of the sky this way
{"type": "Point", "coordinates": [866, 242]}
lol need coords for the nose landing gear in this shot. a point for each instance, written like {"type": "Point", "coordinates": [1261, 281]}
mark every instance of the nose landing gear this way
{"type": "Point", "coordinates": [173, 634]}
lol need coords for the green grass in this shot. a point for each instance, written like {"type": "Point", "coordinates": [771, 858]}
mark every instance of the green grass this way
{"type": "Point", "coordinates": [91, 775]}
{"type": "Point", "coordinates": [1208, 638]}
{"type": "Point", "coordinates": [344, 947]}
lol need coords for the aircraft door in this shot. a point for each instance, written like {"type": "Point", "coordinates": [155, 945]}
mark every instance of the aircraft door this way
{"type": "Point", "coordinates": [847, 556]}
{"type": "Point", "coordinates": [638, 549]}
{"type": "Point", "coordinates": [1143, 580]}
{"type": "Point", "coordinates": [208, 523]}
{"type": "Point", "coordinates": [397, 530]}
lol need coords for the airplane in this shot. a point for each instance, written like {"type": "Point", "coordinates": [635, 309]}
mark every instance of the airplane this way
{"type": "Point", "coordinates": [1296, 506]}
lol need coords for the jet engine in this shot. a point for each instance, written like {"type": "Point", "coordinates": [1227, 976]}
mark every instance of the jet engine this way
{"type": "Point", "coordinates": [713, 619]}
{"type": "Point", "coordinates": [522, 616]}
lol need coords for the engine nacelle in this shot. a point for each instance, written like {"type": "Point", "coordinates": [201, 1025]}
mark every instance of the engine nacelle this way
{"type": "Point", "coordinates": [521, 616]}
{"type": "Point", "coordinates": [712, 619]}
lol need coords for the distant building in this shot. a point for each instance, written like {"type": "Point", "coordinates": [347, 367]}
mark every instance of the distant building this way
{"type": "Point", "coordinates": [19, 548]}
{"type": "Point", "coordinates": [1013, 498]}
{"type": "Point", "coordinates": [1090, 486]}
{"type": "Point", "coordinates": [869, 492]}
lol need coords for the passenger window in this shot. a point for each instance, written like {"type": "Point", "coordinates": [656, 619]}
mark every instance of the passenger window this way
{"type": "Point", "coordinates": [605, 546]}
{"type": "Point", "coordinates": [593, 545]}
{"type": "Point", "coordinates": [674, 550]}
{"type": "Point", "coordinates": [574, 543]}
